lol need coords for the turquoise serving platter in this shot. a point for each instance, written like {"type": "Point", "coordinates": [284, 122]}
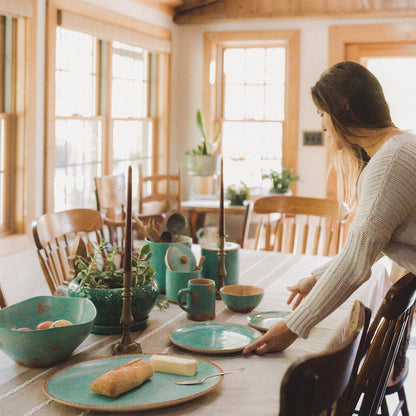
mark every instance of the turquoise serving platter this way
{"type": "Point", "coordinates": [214, 338]}
{"type": "Point", "coordinates": [71, 386]}
{"type": "Point", "coordinates": [264, 320]}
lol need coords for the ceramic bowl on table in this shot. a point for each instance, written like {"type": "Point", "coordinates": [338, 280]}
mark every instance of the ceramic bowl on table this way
{"type": "Point", "coordinates": [242, 298]}
{"type": "Point", "coordinates": [44, 347]}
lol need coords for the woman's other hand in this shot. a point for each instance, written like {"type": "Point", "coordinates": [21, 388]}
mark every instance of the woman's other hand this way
{"type": "Point", "coordinates": [276, 339]}
{"type": "Point", "coordinates": [300, 290]}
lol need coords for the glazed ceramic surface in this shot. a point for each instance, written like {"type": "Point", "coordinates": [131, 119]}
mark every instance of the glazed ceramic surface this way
{"type": "Point", "coordinates": [157, 261]}
{"type": "Point", "coordinates": [213, 338]}
{"type": "Point", "coordinates": [232, 262]}
{"type": "Point", "coordinates": [175, 281]}
{"type": "Point", "coordinates": [44, 348]}
{"type": "Point", "coordinates": [264, 320]}
{"type": "Point", "coordinates": [242, 298]}
{"type": "Point", "coordinates": [180, 258]}
{"type": "Point", "coordinates": [159, 391]}
{"type": "Point", "coordinates": [200, 299]}
{"type": "Point", "coordinates": [109, 304]}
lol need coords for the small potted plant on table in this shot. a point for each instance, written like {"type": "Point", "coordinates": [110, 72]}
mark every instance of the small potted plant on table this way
{"type": "Point", "coordinates": [100, 279]}
{"type": "Point", "coordinates": [237, 194]}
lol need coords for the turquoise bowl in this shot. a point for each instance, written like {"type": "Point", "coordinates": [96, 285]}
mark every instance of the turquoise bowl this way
{"type": "Point", "coordinates": [109, 305]}
{"type": "Point", "coordinates": [242, 298]}
{"type": "Point", "coordinates": [45, 347]}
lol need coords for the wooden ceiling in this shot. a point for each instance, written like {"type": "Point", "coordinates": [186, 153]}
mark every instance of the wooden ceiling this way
{"type": "Point", "coordinates": [203, 11]}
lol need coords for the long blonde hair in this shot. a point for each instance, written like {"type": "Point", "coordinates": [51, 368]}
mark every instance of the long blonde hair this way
{"type": "Point", "coordinates": [353, 98]}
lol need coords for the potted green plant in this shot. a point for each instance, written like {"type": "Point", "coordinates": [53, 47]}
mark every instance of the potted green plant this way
{"type": "Point", "coordinates": [203, 159]}
{"type": "Point", "coordinates": [237, 194]}
{"type": "Point", "coordinates": [281, 181]}
{"type": "Point", "coordinates": [100, 279]}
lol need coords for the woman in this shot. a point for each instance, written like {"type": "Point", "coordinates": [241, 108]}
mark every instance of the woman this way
{"type": "Point", "coordinates": [376, 166]}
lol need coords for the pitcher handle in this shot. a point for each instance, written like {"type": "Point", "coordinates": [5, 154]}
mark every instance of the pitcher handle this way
{"type": "Point", "coordinates": [182, 304]}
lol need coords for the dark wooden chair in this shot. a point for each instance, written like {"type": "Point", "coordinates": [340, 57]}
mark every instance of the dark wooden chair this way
{"type": "Point", "coordinates": [3, 303]}
{"type": "Point", "coordinates": [313, 384]}
{"type": "Point", "coordinates": [302, 225]}
{"type": "Point", "coordinates": [385, 349]}
{"type": "Point", "coordinates": [54, 234]}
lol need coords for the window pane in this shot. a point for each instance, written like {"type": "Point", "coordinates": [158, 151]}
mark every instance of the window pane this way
{"type": "Point", "coordinates": [254, 110]}
{"type": "Point", "coordinates": [130, 81]}
{"type": "Point", "coordinates": [75, 73]}
{"type": "Point", "coordinates": [78, 162]}
{"type": "Point", "coordinates": [251, 149]}
{"type": "Point", "coordinates": [397, 76]}
{"type": "Point", "coordinates": [132, 144]}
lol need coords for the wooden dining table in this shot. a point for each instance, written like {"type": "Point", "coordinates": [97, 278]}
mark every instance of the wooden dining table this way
{"type": "Point", "coordinates": [253, 391]}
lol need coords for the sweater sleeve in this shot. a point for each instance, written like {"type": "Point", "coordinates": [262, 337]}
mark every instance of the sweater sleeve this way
{"type": "Point", "coordinates": [386, 194]}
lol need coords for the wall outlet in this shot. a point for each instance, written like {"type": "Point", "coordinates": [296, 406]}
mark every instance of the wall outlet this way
{"type": "Point", "coordinates": [312, 138]}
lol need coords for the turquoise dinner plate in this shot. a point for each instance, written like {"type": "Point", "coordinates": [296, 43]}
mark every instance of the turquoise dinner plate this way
{"type": "Point", "coordinates": [71, 386]}
{"type": "Point", "coordinates": [264, 320]}
{"type": "Point", "coordinates": [214, 338]}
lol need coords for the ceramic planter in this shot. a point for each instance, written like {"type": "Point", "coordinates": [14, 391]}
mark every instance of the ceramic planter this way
{"type": "Point", "coordinates": [202, 165]}
{"type": "Point", "coordinates": [109, 305]}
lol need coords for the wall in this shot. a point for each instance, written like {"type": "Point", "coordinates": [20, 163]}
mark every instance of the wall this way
{"type": "Point", "coordinates": [187, 86]}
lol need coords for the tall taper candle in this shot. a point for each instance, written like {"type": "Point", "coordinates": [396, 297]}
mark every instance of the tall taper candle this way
{"type": "Point", "coordinates": [221, 221]}
{"type": "Point", "coordinates": [128, 242]}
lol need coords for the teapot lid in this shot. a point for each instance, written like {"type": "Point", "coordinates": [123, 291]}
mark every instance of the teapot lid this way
{"type": "Point", "coordinates": [180, 258]}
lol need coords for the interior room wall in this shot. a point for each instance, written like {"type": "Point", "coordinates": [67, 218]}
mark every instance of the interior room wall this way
{"type": "Point", "coordinates": [187, 87]}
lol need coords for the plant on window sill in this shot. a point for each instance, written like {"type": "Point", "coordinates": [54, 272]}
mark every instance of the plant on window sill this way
{"type": "Point", "coordinates": [281, 181]}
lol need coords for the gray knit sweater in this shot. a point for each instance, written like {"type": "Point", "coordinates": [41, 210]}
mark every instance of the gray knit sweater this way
{"type": "Point", "coordinates": [385, 222]}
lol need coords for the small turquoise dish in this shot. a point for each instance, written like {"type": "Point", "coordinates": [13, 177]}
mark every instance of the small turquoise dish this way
{"type": "Point", "coordinates": [213, 338]}
{"type": "Point", "coordinates": [45, 347]}
{"type": "Point", "coordinates": [242, 298]}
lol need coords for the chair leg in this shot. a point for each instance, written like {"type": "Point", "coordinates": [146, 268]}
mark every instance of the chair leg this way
{"type": "Point", "coordinates": [384, 407]}
{"type": "Point", "coordinates": [402, 397]}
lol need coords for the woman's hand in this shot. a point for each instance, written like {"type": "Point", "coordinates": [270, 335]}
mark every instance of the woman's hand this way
{"type": "Point", "coordinates": [276, 339]}
{"type": "Point", "coordinates": [300, 290]}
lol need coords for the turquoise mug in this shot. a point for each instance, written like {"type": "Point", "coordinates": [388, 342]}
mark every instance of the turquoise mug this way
{"type": "Point", "coordinates": [175, 281]}
{"type": "Point", "coordinates": [200, 299]}
{"type": "Point", "coordinates": [232, 262]}
{"type": "Point", "coordinates": [157, 261]}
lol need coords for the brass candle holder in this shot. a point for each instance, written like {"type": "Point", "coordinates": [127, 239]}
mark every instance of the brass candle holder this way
{"type": "Point", "coordinates": [127, 345]}
{"type": "Point", "coordinates": [221, 271]}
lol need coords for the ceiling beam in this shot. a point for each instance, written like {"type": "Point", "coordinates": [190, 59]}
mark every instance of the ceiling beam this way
{"type": "Point", "coordinates": [209, 11]}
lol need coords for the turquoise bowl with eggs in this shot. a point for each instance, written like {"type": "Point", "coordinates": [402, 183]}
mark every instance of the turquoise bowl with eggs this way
{"type": "Point", "coordinates": [44, 347]}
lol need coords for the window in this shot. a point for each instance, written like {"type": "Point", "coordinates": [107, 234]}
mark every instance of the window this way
{"type": "Point", "coordinates": [81, 102]}
{"type": "Point", "coordinates": [107, 99]}
{"type": "Point", "coordinates": [17, 107]}
{"type": "Point", "coordinates": [252, 96]}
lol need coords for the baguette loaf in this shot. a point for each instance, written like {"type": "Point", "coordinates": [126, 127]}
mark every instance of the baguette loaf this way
{"type": "Point", "coordinates": [122, 379]}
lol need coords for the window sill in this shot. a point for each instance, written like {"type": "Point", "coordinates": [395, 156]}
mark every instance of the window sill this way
{"type": "Point", "coordinates": [14, 243]}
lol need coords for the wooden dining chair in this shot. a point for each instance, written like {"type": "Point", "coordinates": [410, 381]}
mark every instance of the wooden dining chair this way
{"type": "Point", "coordinates": [111, 197]}
{"type": "Point", "coordinates": [159, 194]}
{"type": "Point", "coordinates": [312, 385]}
{"type": "Point", "coordinates": [386, 342]}
{"type": "Point", "coordinates": [302, 225]}
{"type": "Point", "coordinates": [3, 302]}
{"type": "Point", "coordinates": [54, 235]}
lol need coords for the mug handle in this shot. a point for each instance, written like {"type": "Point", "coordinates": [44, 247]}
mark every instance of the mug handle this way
{"type": "Point", "coordinates": [200, 233]}
{"type": "Point", "coordinates": [182, 304]}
